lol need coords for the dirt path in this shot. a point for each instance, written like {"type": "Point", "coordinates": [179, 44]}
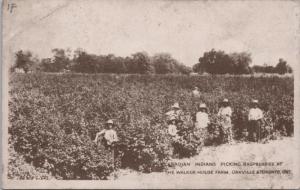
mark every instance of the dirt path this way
{"type": "Point", "coordinates": [215, 165]}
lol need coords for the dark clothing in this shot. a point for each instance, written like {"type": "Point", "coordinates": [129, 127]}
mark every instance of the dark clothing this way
{"type": "Point", "coordinates": [106, 145]}
{"type": "Point", "coordinates": [254, 130]}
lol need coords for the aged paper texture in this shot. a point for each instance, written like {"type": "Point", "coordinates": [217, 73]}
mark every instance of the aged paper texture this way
{"type": "Point", "coordinates": [150, 94]}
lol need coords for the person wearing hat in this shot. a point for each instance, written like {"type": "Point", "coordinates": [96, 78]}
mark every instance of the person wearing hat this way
{"type": "Point", "coordinates": [174, 112]}
{"type": "Point", "coordinates": [224, 114]}
{"type": "Point", "coordinates": [255, 117]}
{"type": "Point", "coordinates": [201, 124]}
{"type": "Point", "coordinates": [172, 128]}
{"type": "Point", "coordinates": [108, 134]}
{"type": "Point", "coordinates": [202, 119]}
{"type": "Point", "coordinates": [173, 132]}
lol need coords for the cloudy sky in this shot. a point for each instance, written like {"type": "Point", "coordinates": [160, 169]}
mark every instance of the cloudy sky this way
{"type": "Point", "coordinates": [186, 29]}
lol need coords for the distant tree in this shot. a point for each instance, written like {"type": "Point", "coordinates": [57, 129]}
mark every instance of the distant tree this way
{"type": "Point", "coordinates": [184, 69]}
{"type": "Point", "coordinates": [199, 67]}
{"type": "Point", "coordinates": [46, 65]}
{"type": "Point", "coordinates": [142, 64]}
{"type": "Point", "coordinates": [163, 63]}
{"type": "Point", "coordinates": [241, 62]}
{"type": "Point", "coordinates": [24, 60]}
{"type": "Point", "coordinates": [60, 61]}
{"type": "Point", "coordinates": [215, 62]}
{"type": "Point", "coordinates": [289, 69]}
{"type": "Point", "coordinates": [119, 65]}
{"type": "Point", "coordinates": [269, 69]}
{"type": "Point", "coordinates": [282, 67]}
{"type": "Point", "coordinates": [109, 64]}
{"type": "Point", "coordinates": [84, 62]}
{"type": "Point", "coordinates": [219, 62]}
{"type": "Point", "coordinates": [36, 66]}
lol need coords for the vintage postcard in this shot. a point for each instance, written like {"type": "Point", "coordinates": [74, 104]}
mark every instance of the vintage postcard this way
{"type": "Point", "coordinates": [198, 94]}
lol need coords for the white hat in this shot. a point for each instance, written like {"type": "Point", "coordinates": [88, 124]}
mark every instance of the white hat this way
{"type": "Point", "coordinates": [202, 105]}
{"type": "Point", "coordinates": [176, 105]}
{"type": "Point", "coordinates": [225, 100]}
{"type": "Point", "coordinates": [109, 121]}
{"type": "Point", "coordinates": [255, 101]}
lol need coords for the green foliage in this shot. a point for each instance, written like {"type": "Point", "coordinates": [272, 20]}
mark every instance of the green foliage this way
{"type": "Point", "coordinates": [56, 117]}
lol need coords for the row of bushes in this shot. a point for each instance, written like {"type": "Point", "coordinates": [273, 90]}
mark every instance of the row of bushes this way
{"type": "Point", "coordinates": [54, 118]}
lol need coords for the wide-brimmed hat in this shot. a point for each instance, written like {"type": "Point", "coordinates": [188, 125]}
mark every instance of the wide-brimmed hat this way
{"type": "Point", "coordinates": [176, 105]}
{"type": "Point", "coordinates": [110, 121]}
{"type": "Point", "coordinates": [254, 101]}
{"type": "Point", "coordinates": [225, 100]}
{"type": "Point", "coordinates": [202, 106]}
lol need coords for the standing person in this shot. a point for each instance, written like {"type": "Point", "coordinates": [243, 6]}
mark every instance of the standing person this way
{"type": "Point", "coordinates": [108, 135]}
{"type": "Point", "coordinates": [202, 119]}
{"type": "Point", "coordinates": [224, 115]}
{"type": "Point", "coordinates": [202, 122]}
{"type": "Point", "coordinates": [172, 128]}
{"type": "Point", "coordinates": [173, 132]}
{"type": "Point", "coordinates": [174, 112]}
{"type": "Point", "coordinates": [255, 117]}
{"type": "Point", "coordinates": [196, 92]}
{"type": "Point", "coordinates": [196, 95]}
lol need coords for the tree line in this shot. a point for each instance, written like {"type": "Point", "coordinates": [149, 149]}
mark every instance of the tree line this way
{"type": "Point", "coordinates": [80, 61]}
{"type": "Point", "coordinates": [219, 62]}
{"type": "Point", "coordinates": [83, 62]}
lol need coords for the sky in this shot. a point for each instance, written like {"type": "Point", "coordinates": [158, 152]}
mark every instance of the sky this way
{"type": "Point", "coordinates": [185, 29]}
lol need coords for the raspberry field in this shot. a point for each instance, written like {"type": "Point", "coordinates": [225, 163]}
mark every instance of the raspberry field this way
{"type": "Point", "coordinates": [55, 117]}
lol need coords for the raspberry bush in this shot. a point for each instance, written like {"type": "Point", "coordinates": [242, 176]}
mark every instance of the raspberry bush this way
{"type": "Point", "coordinates": [54, 118]}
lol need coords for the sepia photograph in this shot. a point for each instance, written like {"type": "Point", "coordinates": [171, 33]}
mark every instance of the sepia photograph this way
{"type": "Point", "coordinates": [150, 94]}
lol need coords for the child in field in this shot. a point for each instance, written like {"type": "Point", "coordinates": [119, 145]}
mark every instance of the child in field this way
{"type": "Point", "coordinates": [224, 115]}
{"type": "Point", "coordinates": [173, 132]}
{"type": "Point", "coordinates": [172, 128]}
{"type": "Point", "coordinates": [255, 117]}
{"type": "Point", "coordinates": [108, 135]}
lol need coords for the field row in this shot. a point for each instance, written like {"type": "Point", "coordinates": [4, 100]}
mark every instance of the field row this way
{"type": "Point", "coordinates": [56, 117]}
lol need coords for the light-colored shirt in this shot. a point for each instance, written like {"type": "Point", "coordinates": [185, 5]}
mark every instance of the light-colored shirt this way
{"type": "Point", "coordinates": [110, 135]}
{"type": "Point", "coordinates": [255, 114]}
{"type": "Point", "coordinates": [225, 112]}
{"type": "Point", "coordinates": [225, 116]}
{"type": "Point", "coordinates": [196, 93]}
{"type": "Point", "coordinates": [172, 130]}
{"type": "Point", "coordinates": [202, 120]}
